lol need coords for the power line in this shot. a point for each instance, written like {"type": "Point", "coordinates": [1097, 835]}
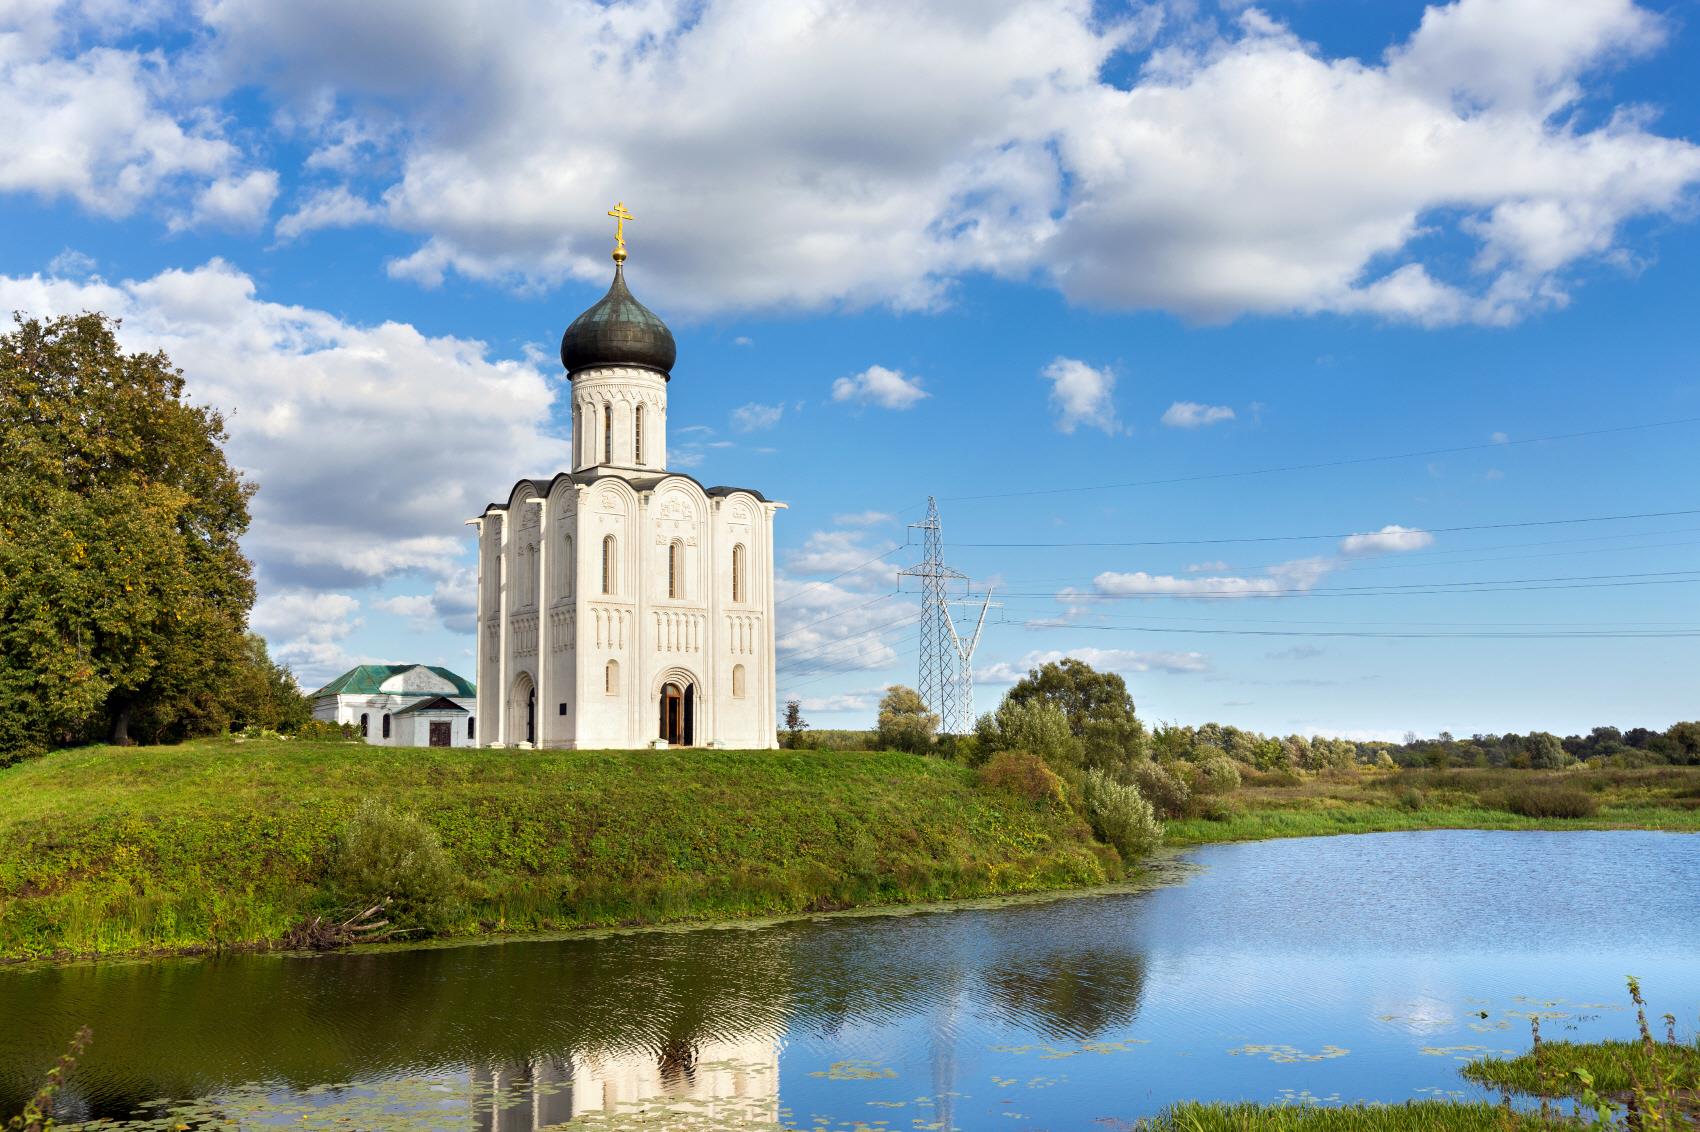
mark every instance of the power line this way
{"type": "Point", "coordinates": [1583, 581]}
{"type": "Point", "coordinates": [1335, 535]}
{"type": "Point", "coordinates": [1352, 462]}
{"type": "Point", "coordinates": [1380, 634]}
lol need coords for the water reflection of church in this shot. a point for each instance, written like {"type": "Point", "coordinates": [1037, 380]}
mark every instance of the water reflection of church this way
{"type": "Point", "coordinates": [684, 1084]}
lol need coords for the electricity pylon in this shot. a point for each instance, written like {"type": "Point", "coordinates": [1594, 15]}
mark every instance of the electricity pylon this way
{"type": "Point", "coordinates": [946, 675]}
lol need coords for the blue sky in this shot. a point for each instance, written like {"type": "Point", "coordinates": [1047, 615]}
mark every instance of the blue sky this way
{"type": "Point", "coordinates": [1005, 254]}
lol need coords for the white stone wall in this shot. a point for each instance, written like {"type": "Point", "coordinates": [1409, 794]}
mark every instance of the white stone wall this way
{"type": "Point", "coordinates": [550, 625]}
{"type": "Point", "coordinates": [409, 730]}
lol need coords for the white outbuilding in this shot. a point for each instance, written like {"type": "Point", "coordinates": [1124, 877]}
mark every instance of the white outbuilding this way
{"type": "Point", "coordinates": [402, 705]}
{"type": "Point", "coordinates": [620, 604]}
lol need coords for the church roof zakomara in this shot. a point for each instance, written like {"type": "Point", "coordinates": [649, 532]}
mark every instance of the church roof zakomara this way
{"type": "Point", "coordinates": [368, 679]}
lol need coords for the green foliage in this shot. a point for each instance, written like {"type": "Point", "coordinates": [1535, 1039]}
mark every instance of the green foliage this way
{"type": "Point", "coordinates": [1545, 802]}
{"type": "Point", "coordinates": [1121, 816]}
{"type": "Point", "coordinates": [1034, 725]}
{"type": "Point", "coordinates": [905, 724]}
{"type": "Point", "coordinates": [795, 724]}
{"type": "Point", "coordinates": [1545, 751]}
{"type": "Point", "coordinates": [263, 693]}
{"type": "Point", "coordinates": [123, 591]}
{"type": "Point", "coordinates": [1412, 1116]}
{"type": "Point", "coordinates": [1025, 776]}
{"type": "Point", "coordinates": [1216, 776]}
{"type": "Point", "coordinates": [381, 855]}
{"type": "Point", "coordinates": [1412, 799]}
{"type": "Point", "coordinates": [324, 731]}
{"type": "Point", "coordinates": [1167, 792]}
{"type": "Point", "coordinates": [110, 850]}
{"type": "Point", "coordinates": [38, 1110]}
{"type": "Point", "coordinates": [1084, 695]}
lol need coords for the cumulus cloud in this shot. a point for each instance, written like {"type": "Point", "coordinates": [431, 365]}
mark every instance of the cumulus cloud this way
{"type": "Point", "coordinates": [834, 552]}
{"type": "Point", "coordinates": [306, 631]}
{"type": "Point", "coordinates": [95, 124]}
{"type": "Point", "coordinates": [876, 385]}
{"type": "Point", "coordinates": [1284, 578]}
{"type": "Point", "coordinates": [1082, 395]}
{"type": "Point", "coordinates": [1240, 168]}
{"type": "Point", "coordinates": [346, 497]}
{"type": "Point", "coordinates": [328, 208]}
{"type": "Point", "coordinates": [864, 519]}
{"type": "Point", "coordinates": [1105, 660]}
{"type": "Point", "coordinates": [236, 202]}
{"type": "Point", "coordinates": [755, 417]}
{"type": "Point", "coordinates": [1191, 414]}
{"type": "Point", "coordinates": [1391, 539]}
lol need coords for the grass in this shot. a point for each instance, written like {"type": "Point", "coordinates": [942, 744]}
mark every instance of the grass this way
{"type": "Point", "coordinates": [107, 851]}
{"type": "Point", "coordinates": [1615, 1067]}
{"type": "Point", "coordinates": [1412, 1116]}
{"type": "Point", "coordinates": [1279, 805]}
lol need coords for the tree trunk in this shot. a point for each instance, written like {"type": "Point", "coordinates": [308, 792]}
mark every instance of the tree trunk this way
{"type": "Point", "coordinates": [121, 725]}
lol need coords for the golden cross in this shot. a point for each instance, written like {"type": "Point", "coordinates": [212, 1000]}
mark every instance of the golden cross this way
{"type": "Point", "coordinates": [620, 215]}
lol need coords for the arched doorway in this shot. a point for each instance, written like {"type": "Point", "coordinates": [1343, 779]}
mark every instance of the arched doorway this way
{"type": "Point", "coordinates": [522, 711]}
{"type": "Point", "coordinates": [677, 708]}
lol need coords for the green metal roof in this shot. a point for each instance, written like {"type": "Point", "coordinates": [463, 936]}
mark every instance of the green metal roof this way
{"type": "Point", "coordinates": [365, 679]}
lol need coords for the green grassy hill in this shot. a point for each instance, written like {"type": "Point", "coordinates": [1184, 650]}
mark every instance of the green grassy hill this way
{"type": "Point", "coordinates": [112, 850]}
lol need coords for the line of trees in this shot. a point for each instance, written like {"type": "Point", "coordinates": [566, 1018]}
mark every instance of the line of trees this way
{"type": "Point", "coordinates": [124, 595]}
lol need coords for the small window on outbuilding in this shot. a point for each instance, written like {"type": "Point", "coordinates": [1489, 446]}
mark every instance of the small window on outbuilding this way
{"type": "Point", "coordinates": [386, 725]}
{"type": "Point", "coordinates": [562, 710]}
{"type": "Point", "coordinates": [365, 725]}
{"type": "Point", "coordinates": [471, 728]}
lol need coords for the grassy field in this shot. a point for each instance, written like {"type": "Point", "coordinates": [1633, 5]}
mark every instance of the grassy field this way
{"type": "Point", "coordinates": [107, 851]}
{"type": "Point", "coordinates": [1279, 805]}
{"type": "Point", "coordinates": [1413, 1116]}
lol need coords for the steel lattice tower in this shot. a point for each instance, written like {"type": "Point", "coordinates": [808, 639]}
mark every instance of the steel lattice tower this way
{"type": "Point", "coordinates": [938, 682]}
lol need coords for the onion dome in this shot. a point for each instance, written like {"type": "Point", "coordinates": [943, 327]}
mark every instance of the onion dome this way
{"type": "Point", "coordinates": [618, 331]}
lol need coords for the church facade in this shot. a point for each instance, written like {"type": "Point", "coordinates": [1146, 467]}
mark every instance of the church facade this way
{"type": "Point", "coordinates": [621, 605]}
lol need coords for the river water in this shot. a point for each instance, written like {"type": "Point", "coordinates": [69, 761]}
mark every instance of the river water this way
{"type": "Point", "coordinates": [1315, 970]}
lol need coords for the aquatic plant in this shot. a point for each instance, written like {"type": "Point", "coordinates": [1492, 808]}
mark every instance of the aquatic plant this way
{"type": "Point", "coordinates": [38, 1110]}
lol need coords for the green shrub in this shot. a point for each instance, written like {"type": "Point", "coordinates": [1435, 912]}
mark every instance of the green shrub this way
{"type": "Point", "coordinates": [1410, 798]}
{"type": "Point", "coordinates": [1218, 775]}
{"type": "Point", "coordinates": [323, 730]}
{"type": "Point", "coordinates": [905, 724]}
{"type": "Point", "coordinates": [1545, 802]}
{"type": "Point", "coordinates": [380, 854]}
{"type": "Point", "coordinates": [1120, 816]}
{"type": "Point", "coordinates": [1217, 809]}
{"type": "Point", "coordinates": [1024, 775]}
{"type": "Point", "coordinates": [1167, 792]}
{"type": "Point", "coordinates": [1036, 725]}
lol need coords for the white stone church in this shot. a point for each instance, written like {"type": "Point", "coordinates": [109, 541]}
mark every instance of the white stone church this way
{"type": "Point", "coordinates": [621, 605]}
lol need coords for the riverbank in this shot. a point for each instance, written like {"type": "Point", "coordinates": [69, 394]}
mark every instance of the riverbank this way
{"type": "Point", "coordinates": [1370, 801]}
{"type": "Point", "coordinates": [219, 844]}
{"type": "Point", "coordinates": [224, 845]}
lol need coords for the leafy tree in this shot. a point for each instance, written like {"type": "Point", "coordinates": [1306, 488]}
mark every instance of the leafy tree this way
{"type": "Point", "coordinates": [795, 724]}
{"type": "Point", "coordinates": [1545, 751]}
{"type": "Point", "coordinates": [905, 724]}
{"type": "Point", "coordinates": [123, 591]}
{"type": "Point", "coordinates": [264, 693]}
{"type": "Point", "coordinates": [1036, 726]}
{"type": "Point", "coordinates": [1083, 694]}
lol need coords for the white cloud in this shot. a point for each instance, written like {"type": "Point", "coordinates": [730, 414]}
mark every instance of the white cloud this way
{"type": "Point", "coordinates": [1190, 414]}
{"type": "Point", "coordinates": [72, 264]}
{"type": "Point", "coordinates": [1082, 395]}
{"type": "Point", "coordinates": [876, 385]}
{"type": "Point", "coordinates": [834, 552]}
{"type": "Point", "coordinates": [94, 125]}
{"type": "Point", "coordinates": [891, 148]}
{"type": "Point", "coordinates": [755, 417]}
{"type": "Point", "coordinates": [864, 519]}
{"type": "Point", "coordinates": [1105, 660]}
{"type": "Point", "coordinates": [1201, 567]}
{"type": "Point", "coordinates": [843, 701]}
{"type": "Point", "coordinates": [235, 202]}
{"type": "Point", "coordinates": [1284, 578]}
{"type": "Point", "coordinates": [312, 405]}
{"type": "Point", "coordinates": [306, 631]}
{"type": "Point", "coordinates": [1500, 438]}
{"type": "Point", "coordinates": [327, 208]}
{"type": "Point", "coordinates": [1391, 539]}
{"type": "Point", "coordinates": [419, 610]}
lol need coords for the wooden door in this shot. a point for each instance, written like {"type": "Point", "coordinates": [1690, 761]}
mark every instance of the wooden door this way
{"type": "Point", "coordinates": [673, 714]}
{"type": "Point", "coordinates": [441, 731]}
